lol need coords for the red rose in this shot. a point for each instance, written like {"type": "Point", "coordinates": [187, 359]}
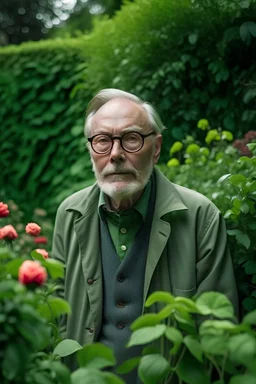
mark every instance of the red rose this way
{"type": "Point", "coordinates": [41, 240]}
{"type": "Point", "coordinates": [4, 210]}
{"type": "Point", "coordinates": [33, 229]}
{"type": "Point", "coordinates": [8, 232]}
{"type": "Point", "coordinates": [43, 252]}
{"type": "Point", "coordinates": [32, 272]}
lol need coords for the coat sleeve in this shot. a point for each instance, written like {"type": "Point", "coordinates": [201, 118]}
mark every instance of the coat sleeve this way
{"type": "Point", "coordinates": [58, 253]}
{"type": "Point", "coordinates": [214, 266]}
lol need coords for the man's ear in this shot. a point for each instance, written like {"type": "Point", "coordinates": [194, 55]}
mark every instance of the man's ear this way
{"type": "Point", "coordinates": [158, 146]}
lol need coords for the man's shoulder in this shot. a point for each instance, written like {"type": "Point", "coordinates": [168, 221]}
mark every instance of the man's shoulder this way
{"type": "Point", "coordinates": [190, 196]}
{"type": "Point", "coordinates": [79, 199]}
{"type": "Point", "coordinates": [178, 195]}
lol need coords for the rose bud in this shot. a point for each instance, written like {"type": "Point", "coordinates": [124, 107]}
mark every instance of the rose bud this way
{"type": "Point", "coordinates": [33, 229]}
{"type": "Point", "coordinates": [43, 252]}
{"type": "Point", "coordinates": [4, 211]}
{"type": "Point", "coordinates": [32, 272]}
{"type": "Point", "coordinates": [41, 240]}
{"type": "Point", "coordinates": [8, 233]}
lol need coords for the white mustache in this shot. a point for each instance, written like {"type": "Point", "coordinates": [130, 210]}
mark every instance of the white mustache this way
{"type": "Point", "coordinates": [109, 170]}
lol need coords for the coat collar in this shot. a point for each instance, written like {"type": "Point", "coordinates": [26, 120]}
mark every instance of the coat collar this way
{"type": "Point", "coordinates": [168, 199]}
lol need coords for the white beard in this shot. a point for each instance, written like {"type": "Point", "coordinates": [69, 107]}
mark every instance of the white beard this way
{"type": "Point", "coordinates": [116, 192]}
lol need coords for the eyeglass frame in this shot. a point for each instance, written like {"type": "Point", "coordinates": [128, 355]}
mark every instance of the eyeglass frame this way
{"type": "Point", "coordinates": [120, 138]}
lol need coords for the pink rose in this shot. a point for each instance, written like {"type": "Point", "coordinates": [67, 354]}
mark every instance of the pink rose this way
{"type": "Point", "coordinates": [43, 252]}
{"type": "Point", "coordinates": [32, 272]}
{"type": "Point", "coordinates": [33, 229]}
{"type": "Point", "coordinates": [41, 240]}
{"type": "Point", "coordinates": [8, 232]}
{"type": "Point", "coordinates": [4, 210]}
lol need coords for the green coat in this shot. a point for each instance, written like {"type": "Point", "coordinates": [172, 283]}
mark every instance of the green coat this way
{"type": "Point", "coordinates": [187, 253]}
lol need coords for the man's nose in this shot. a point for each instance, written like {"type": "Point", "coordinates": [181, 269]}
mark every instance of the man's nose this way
{"type": "Point", "coordinates": [117, 152]}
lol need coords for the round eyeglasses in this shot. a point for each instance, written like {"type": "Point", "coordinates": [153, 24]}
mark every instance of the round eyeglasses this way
{"type": "Point", "coordinates": [131, 142]}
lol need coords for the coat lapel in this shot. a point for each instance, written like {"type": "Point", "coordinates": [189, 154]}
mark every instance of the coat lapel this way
{"type": "Point", "coordinates": [167, 201]}
{"type": "Point", "coordinates": [87, 232]}
{"type": "Point", "coordinates": [160, 232]}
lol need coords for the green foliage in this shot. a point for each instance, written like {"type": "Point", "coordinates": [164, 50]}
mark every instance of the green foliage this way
{"type": "Point", "coordinates": [220, 344]}
{"type": "Point", "coordinates": [25, 243]}
{"type": "Point", "coordinates": [215, 348]}
{"type": "Point", "coordinates": [26, 332]}
{"type": "Point", "coordinates": [185, 57]}
{"type": "Point", "coordinates": [230, 182]}
{"type": "Point", "coordinates": [42, 122]}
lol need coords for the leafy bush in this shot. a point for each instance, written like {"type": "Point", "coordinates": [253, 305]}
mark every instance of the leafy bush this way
{"type": "Point", "coordinates": [217, 171]}
{"type": "Point", "coordinates": [41, 122]}
{"type": "Point", "coordinates": [187, 341]}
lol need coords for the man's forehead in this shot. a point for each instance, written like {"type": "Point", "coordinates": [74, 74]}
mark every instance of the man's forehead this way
{"type": "Point", "coordinates": [121, 109]}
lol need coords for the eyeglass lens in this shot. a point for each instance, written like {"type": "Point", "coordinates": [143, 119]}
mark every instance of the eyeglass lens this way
{"type": "Point", "coordinates": [131, 142]}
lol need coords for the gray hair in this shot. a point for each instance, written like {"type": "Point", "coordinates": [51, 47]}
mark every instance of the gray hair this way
{"type": "Point", "coordinates": [108, 94]}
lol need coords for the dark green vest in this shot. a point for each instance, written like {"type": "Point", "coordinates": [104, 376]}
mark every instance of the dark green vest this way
{"type": "Point", "coordinates": [123, 285]}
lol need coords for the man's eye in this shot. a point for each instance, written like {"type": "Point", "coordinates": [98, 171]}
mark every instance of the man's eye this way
{"type": "Point", "coordinates": [131, 138]}
{"type": "Point", "coordinates": [102, 140]}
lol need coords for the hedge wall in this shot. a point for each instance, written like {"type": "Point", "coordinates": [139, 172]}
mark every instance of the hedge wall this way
{"type": "Point", "coordinates": [41, 122]}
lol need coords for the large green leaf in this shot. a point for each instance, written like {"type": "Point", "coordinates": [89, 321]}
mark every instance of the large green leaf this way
{"type": "Point", "coordinates": [214, 344]}
{"type": "Point", "coordinates": [96, 355]}
{"type": "Point", "coordinates": [175, 336]}
{"type": "Point", "coordinates": [153, 368]}
{"type": "Point", "coordinates": [191, 371]}
{"type": "Point", "coordinates": [128, 365]}
{"type": "Point", "coordinates": [146, 335]}
{"type": "Point", "coordinates": [159, 296]}
{"type": "Point", "coordinates": [194, 347]}
{"type": "Point", "coordinates": [216, 304]}
{"type": "Point", "coordinates": [242, 348]}
{"type": "Point", "coordinates": [110, 378]}
{"type": "Point", "coordinates": [87, 376]}
{"type": "Point", "coordinates": [67, 347]}
{"type": "Point", "coordinates": [145, 320]}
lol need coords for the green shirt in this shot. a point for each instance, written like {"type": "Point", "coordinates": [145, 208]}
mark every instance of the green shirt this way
{"type": "Point", "coordinates": [124, 225]}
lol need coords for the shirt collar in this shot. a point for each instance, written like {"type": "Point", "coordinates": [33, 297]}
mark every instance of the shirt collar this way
{"type": "Point", "coordinates": [140, 206]}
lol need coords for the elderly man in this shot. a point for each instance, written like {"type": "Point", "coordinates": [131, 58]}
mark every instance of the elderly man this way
{"type": "Point", "coordinates": [133, 232]}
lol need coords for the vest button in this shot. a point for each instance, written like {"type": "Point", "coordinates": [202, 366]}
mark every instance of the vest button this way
{"type": "Point", "coordinates": [120, 304]}
{"type": "Point", "coordinates": [120, 277]}
{"type": "Point", "coordinates": [90, 281]}
{"type": "Point", "coordinates": [120, 325]}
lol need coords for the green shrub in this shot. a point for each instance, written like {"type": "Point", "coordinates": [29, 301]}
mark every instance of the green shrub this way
{"type": "Point", "coordinates": [217, 171]}
{"type": "Point", "coordinates": [41, 122]}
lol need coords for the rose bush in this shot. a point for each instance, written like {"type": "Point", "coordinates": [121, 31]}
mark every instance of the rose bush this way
{"type": "Point", "coordinates": [25, 242]}
{"type": "Point", "coordinates": [8, 233]}
{"type": "Point", "coordinates": [32, 272]}
{"type": "Point", "coordinates": [33, 229]}
{"type": "Point", "coordinates": [4, 210]}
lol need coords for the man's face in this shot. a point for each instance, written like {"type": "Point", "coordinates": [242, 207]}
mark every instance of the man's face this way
{"type": "Point", "coordinates": [121, 174]}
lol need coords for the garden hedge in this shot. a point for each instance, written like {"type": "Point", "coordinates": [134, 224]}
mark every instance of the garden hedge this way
{"type": "Point", "coordinates": [41, 121]}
